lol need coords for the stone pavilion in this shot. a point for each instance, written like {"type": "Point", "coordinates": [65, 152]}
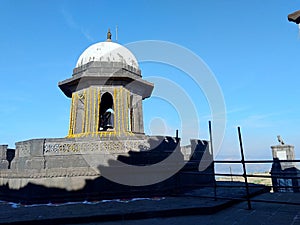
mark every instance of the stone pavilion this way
{"type": "Point", "coordinates": [106, 125]}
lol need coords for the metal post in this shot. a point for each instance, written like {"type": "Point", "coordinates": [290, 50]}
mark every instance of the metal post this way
{"type": "Point", "coordinates": [244, 169]}
{"type": "Point", "coordinates": [213, 162]}
{"type": "Point", "coordinates": [231, 174]}
{"type": "Point", "coordinates": [178, 177]}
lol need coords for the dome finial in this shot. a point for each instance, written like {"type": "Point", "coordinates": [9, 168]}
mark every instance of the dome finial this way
{"type": "Point", "coordinates": [108, 35]}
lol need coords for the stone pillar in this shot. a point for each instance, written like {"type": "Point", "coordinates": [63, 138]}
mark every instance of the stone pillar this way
{"type": "Point", "coordinates": [280, 170]}
{"type": "Point", "coordinates": [29, 155]}
{"type": "Point", "coordinates": [85, 112]}
{"type": "Point", "coordinates": [140, 116]}
{"type": "Point", "coordinates": [138, 123]}
{"type": "Point", "coordinates": [284, 152]}
{"type": "Point", "coordinates": [3, 159]}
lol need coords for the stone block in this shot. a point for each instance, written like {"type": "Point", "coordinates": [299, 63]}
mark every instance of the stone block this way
{"type": "Point", "coordinates": [37, 147]}
{"type": "Point", "coordinates": [198, 147]}
{"type": "Point", "coordinates": [186, 151]}
{"type": "Point", "coordinates": [3, 150]}
{"type": "Point", "coordinates": [3, 164]}
{"type": "Point", "coordinates": [36, 163]}
{"type": "Point", "coordinates": [22, 149]}
{"type": "Point", "coordinates": [58, 161]}
{"type": "Point", "coordinates": [19, 163]}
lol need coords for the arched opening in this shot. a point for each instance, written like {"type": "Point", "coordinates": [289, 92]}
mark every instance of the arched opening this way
{"type": "Point", "coordinates": [106, 112]}
{"type": "Point", "coordinates": [130, 114]}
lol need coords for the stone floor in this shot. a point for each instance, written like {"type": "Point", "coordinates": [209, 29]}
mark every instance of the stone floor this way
{"type": "Point", "coordinates": [185, 209]}
{"type": "Point", "coordinates": [260, 214]}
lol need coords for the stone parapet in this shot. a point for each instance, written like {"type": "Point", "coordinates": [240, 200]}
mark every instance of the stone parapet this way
{"type": "Point", "coordinates": [3, 157]}
{"type": "Point", "coordinates": [107, 67]}
{"type": "Point", "coordinates": [41, 154]}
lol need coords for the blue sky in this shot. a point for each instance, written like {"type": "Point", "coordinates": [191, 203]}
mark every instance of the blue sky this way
{"type": "Point", "coordinates": [249, 46]}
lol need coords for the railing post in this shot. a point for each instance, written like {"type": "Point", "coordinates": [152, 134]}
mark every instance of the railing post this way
{"type": "Point", "coordinates": [244, 168]}
{"type": "Point", "coordinates": [213, 162]}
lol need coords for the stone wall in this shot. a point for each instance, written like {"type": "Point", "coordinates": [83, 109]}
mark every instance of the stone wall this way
{"type": "Point", "coordinates": [41, 154]}
{"type": "Point", "coordinates": [69, 168]}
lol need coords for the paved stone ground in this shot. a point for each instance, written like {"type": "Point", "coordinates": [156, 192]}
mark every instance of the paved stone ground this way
{"type": "Point", "coordinates": [260, 214]}
{"type": "Point", "coordinates": [188, 209]}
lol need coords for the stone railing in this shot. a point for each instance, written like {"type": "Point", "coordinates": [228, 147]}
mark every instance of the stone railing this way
{"type": "Point", "coordinates": [109, 146]}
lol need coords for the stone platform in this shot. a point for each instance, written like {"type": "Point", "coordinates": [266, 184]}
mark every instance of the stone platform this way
{"type": "Point", "coordinates": [65, 169]}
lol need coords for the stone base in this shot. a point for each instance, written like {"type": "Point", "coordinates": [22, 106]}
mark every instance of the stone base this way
{"type": "Point", "coordinates": [85, 169]}
{"type": "Point", "coordinates": [3, 164]}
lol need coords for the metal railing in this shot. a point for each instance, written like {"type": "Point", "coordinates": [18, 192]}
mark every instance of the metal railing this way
{"type": "Point", "coordinates": [244, 174]}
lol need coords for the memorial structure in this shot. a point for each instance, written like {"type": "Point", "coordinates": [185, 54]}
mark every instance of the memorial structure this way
{"type": "Point", "coordinates": [285, 175]}
{"type": "Point", "coordinates": [106, 126]}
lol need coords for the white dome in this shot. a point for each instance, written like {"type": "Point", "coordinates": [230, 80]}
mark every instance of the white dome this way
{"type": "Point", "coordinates": [107, 52]}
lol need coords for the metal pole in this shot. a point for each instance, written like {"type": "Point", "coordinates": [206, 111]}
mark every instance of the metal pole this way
{"type": "Point", "coordinates": [244, 168]}
{"type": "Point", "coordinates": [213, 162]}
{"type": "Point", "coordinates": [116, 33]}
